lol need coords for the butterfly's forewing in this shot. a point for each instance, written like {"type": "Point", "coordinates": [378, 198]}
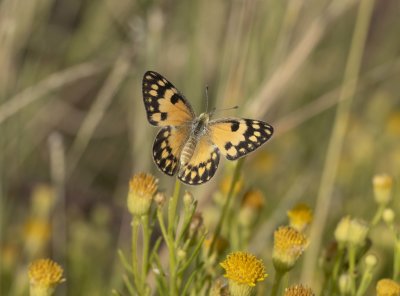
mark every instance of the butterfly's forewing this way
{"type": "Point", "coordinates": [237, 137]}
{"type": "Point", "coordinates": [202, 165]}
{"type": "Point", "coordinates": [164, 104]}
{"type": "Point", "coordinates": [168, 146]}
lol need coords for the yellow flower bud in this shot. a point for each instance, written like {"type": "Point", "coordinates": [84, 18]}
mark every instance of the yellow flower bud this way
{"type": "Point", "coordinates": [388, 216]}
{"type": "Point", "coordinates": [351, 231]}
{"type": "Point", "coordinates": [44, 276]}
{"type": "Point", "coordinates": [371, 260]}
{"type": "Point", "coordinates": [289, 244]}
{"type": "Point", "coordinates": [160, 199]}
{"type": "Point", "coordinates": [382, 188]}
{"type": "Point", "coordinates": [300, 217]}
{"type": "Point", "coordinates": [141, 191]}
{"type": "Point", "coordinates": [188, 199]}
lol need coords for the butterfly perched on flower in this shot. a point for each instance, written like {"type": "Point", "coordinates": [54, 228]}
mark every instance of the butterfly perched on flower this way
{"type": "Point", "coordinates": [190, 146]}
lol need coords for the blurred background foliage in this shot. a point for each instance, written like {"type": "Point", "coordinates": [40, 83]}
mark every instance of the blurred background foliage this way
{"type": "Point", "coordinates": [73, 126]}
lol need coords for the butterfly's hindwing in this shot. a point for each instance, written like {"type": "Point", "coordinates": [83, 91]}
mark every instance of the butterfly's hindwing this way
{"type": "Point", "coordinates": [164, 104]}
{"type": "Point", "coordinates": [167, 148]}
{"type": "Point", "coordinates": [202, 165]}
{"type": "Point", "coordinates": [237, 137]}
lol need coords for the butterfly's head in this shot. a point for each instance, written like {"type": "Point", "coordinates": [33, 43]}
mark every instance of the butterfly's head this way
{"type": "Point", "coordinates": [204, 117]}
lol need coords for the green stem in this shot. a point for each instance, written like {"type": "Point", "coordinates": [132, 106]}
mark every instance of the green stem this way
{"type": "Point", "coordinates": [135, 263]}
{"type": "Point", "coordinates": [225, 209]}
{"type": "Point", "coordinates": [172, 208]}
{"type": "Point", "coordinates": [352, 267]}
{"type": "Point", "coordinates": [365, 282]}
{"type": "Point", "coordinates": [378, 215]}
{"type": "Point", "coordinates": [277, 282]}
{"type": "Point", "coordinates": [349, 86]}
{"type": "Point", "coordinates": [333, 280]}
{"type": "Point", "coordinates": [396, 263]}
{"type": "Point", "coordinates": [146, 246]}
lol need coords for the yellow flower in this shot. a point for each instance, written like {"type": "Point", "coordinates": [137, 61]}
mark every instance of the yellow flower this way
{"type": "Point", "coordinates": [289, 244]}
{"type": "Point", "coordinates": [300, 217]}
{"type": "Point", "coordinates": [351, 231]}
{"type": "Point", "coordinates": [142, 188]}
{"type": "Point", "coordinates": [44, 276]}
{"type": "Point", "coordinates": [298, 290]}
{"type": "Point", "coordinates": [387, 287]}
{"type": "Point", "coordinates": [243, 271]}
{"type": "Point", "coordinates": [382, 188]}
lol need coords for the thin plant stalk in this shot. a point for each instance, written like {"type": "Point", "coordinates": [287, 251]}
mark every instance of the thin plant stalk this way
{"type": "Point", "coordinates": [172, 208]}
{"type": "Point", "coordinates": [135, 262]}
{"type": "Point", "coordinates": [378, 214]}
{"type": "Point", "coordinates": [352, 267]}
{"type": "Point", "coordinates": [336, 141]}
{"type": "Point", "coordinates": [146, 246]}
{"type": "Point", "coordinates": [396, 263]}
{"type": "Point", "coordinates": [225, 209]}
{"type": "Point", "coordinates": [277, 282]}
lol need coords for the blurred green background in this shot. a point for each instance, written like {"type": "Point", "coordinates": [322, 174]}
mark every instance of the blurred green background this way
{"type": "Point", "coordinates": [73, 127]}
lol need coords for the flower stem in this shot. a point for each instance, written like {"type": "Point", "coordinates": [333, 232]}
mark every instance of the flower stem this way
{"type": "Point", "coordinates": [146, 245]}
{"type": "Point", "coordinates": [365, 281]}
{"type": "Point", "coordinates": [352, 267]}
{"type": "Point", "coordinates": [396, 263]}
{"type": "Point", "coordinates": [235, 178]}
{"type": "Point", "coordinates": [172, 207]}
{"type": "Point", "coordinates": [135, 263]}
{"type": "Point", "coordinates": [277, 282]}
{"type": "Point", "coordinates": [378, 215]}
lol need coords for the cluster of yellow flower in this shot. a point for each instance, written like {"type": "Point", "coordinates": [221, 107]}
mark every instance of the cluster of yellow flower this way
{"type": "Point", "coordinates": [192, 258]}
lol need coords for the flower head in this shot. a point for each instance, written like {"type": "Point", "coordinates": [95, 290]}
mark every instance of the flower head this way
{"type": "Point", "coordinates": [382, 188]}
{"type": "Point", "coordinates": [300, 217]}
{"type": "Point", "coordinates": [289, 244]}
{"type": "Point", "coordinates": [243, 271]}
{"type": "Point", "coordinates": [298, 290]}
{"type": "Point", "coordinates": [387, 287]}
{"type": "Point", "coordinates": [142, 188]}
{"type": "Point", "coordinates": [351, 231]}
{"type": "Point", "coordinates": [388, 216]}
{"type": "Point", "coordinates": [44, 276]}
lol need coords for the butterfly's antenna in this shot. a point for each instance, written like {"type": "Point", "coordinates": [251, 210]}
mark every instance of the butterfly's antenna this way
{"type": "Point", "coordinates": [226, 109]}
{"type": "Point", "coordinates": [206, 98]}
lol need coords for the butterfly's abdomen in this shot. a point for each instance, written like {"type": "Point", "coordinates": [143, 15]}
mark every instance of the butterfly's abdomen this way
{"type": "Point", "coordinates": [187, 151]}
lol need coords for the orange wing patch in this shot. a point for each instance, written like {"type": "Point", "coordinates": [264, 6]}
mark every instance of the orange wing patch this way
{"type": "Point", "coordinates": [164, 104]}
{"type": "Point", "coordinates": [237, 137]}
{"type": "Point", "coordinates": [202, 165]}
{"type": "Point", "coordinates": [168, 146]}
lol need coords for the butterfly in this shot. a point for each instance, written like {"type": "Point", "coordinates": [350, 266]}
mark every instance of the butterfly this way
{"type": "Point", "coordinates": [190, 145]}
